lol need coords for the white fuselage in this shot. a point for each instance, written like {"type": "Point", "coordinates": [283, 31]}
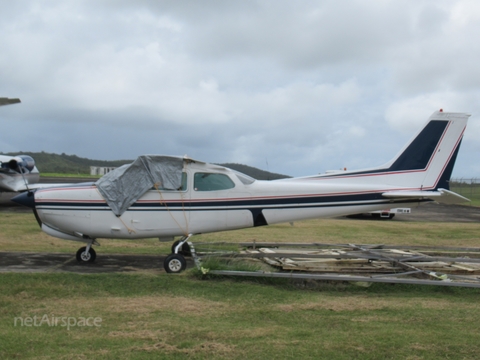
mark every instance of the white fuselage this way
{"type": "Point", "coordinates": [81, 211]}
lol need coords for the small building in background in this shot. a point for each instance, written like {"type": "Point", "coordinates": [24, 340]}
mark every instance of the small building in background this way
{"type": "Point", "coordinates": [100, 170]}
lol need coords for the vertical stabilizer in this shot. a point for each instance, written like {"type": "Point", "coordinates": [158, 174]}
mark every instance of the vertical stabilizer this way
{"type": "Point", "coordinates": [425, 163]}
{"type": "Point", "coordinates": [432, 153]}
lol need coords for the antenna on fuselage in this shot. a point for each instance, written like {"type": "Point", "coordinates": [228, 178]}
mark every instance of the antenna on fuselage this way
{"type": "Point", "coordinates": [268, 171]}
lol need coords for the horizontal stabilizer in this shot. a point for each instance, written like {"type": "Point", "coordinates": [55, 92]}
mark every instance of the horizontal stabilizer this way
{"type": "Point", "coordinates": [442, 196]}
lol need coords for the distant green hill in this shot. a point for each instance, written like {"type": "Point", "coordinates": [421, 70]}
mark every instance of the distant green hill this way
{"type": "Point", "coordinates": [66, 164]}
{"type": "Point", "coordinates": [72, 164]}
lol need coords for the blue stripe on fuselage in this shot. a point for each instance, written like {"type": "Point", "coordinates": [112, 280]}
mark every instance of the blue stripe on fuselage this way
{"type": "Point", "coordinates": [210, 205]}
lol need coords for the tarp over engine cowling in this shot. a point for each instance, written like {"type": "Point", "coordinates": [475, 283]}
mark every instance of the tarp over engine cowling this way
{"type": "Point", "coordinates": [126, 184]}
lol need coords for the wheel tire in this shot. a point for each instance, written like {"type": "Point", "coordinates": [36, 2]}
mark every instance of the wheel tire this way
{"type": "Point", "coordinates": [184, 250]}
{"type": "Point", "coordinates": [174, 263]}
{"type": "Point", "coordinates": [84, 257]}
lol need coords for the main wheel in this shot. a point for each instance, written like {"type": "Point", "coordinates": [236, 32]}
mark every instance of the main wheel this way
{"type": "Point", "coordinates": [84, 256]}
{"type": "Point", "coordinates": [174, 263]}
{"type": "Point", "coordinates": [184, 250]}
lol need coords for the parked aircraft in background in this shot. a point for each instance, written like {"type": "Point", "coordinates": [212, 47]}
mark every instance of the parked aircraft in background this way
{"type": "Point", "coordinates": [165, 196]}
{"type": "Point", "coordinates": [16, 172]}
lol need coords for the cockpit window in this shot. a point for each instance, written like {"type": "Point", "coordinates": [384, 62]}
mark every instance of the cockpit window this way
{"type": "Point", "coordinates": [212, 182]}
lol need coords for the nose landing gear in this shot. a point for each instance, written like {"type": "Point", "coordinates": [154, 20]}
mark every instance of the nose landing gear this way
{"type": "Point", "coordinates": [86, 254]}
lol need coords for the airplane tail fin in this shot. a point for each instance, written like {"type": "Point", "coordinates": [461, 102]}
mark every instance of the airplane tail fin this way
{"type": "Point", "coordinates": [422, 169]}
{"type": "Point", "coordinates": [427, 161]}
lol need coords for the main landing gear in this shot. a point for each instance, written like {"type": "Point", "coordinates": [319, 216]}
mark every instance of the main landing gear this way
{"type": "Point", "coordinates": [86, 254]}
{"type": "Point", "coordinates": [175, 262]}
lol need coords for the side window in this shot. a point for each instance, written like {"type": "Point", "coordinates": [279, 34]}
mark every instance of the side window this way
{"type": "Point", "coordinates": [182, 187]}
{"type": "Point", "coordinates": [212, 182]}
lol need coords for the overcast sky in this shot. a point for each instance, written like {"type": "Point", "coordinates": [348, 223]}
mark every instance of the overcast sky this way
{"type": "Point", "coordinates": [293, 87]}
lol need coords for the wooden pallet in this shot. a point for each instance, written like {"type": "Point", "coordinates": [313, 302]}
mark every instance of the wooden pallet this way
{"type": "Point", "coordinates": [378, 261]}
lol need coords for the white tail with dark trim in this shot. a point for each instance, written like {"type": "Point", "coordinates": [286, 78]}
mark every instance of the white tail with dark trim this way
{"type": "Point", "coordinates": [422, 168]}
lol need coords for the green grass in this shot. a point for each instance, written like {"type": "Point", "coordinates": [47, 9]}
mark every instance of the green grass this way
{"type": "Point", "coordinates": [189, 316]}
{"type": "Point", "coordinates": [183, 317]}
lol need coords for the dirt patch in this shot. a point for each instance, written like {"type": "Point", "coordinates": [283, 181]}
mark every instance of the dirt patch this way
{"type": "Point", "coordinates": [57, 262]}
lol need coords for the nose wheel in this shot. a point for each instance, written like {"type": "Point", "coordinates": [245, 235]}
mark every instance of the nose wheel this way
{"type": "Point", "coordinates": [86, 254]}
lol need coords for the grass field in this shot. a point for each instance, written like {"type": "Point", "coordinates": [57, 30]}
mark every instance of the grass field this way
{"type": "Point", "coordinates": [148, 315]}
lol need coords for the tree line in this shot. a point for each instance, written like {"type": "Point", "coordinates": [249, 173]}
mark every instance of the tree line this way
{"type": "Point", "coordinates": [72, 164]}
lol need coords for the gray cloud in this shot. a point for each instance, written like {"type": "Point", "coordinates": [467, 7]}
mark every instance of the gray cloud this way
{"type": "Point", "coordinates": [305, 86]}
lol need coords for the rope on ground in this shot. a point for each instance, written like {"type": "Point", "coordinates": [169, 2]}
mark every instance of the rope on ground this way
{"type": "Point", "coordinates": [56, 267]}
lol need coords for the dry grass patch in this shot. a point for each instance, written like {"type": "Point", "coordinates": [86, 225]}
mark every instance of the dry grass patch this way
{"type": "Point", "coordinates": [152, 335]}
{"type": "Point", "coordinates": [142, 305]}
{"type": "Point", "coordinates": [367, 303]}
{"type": "Point", "coordinates": [372, 318]}
{"type": "Point", "coordinates": [256, 332]}
{"type": "Point", "coordinates": [187, 306]}
{"type": "Point", "coordinates": [217, 350]}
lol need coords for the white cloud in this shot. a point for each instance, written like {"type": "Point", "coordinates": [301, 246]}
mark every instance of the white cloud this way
{"type": "Point", "coordinates": [409, 114]}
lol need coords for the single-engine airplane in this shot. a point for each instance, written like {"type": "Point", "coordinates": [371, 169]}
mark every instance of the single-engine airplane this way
{"type": "Point", "coordinates": [167, 196]}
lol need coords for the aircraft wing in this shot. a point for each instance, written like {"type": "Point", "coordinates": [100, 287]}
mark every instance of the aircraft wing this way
{"type": "Point", "coordinates": [7, 101]}
{"type": "Point", "coordinates": [442, 196]}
